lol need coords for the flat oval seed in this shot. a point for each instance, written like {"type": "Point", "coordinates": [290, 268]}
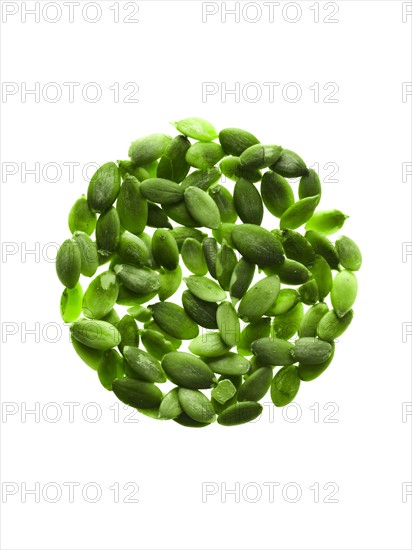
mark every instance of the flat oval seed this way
{"type": "Point", "coordinates": [251, 332]}
{"type": "Point", "coordinates": [224, 233]}
{"type": "Point", "coordinates": [129, 332]}
{"type": "Point", "coordinates": [148, 149]}
{"type": "Point", "coordinates": [240, 413]}
{"type": "Point", "coordinates": [344, 291]}
{"type": "Point", "coordinates": [174, 320]}
{"type": "Point", "coordinates": [256, 386]}
{"type": "Point", "coordinates": [132, 250]}
{"type": "Point", "coordinates": [172, 165]}
{"type": "Point", "coordinates": [180, 214]}
{"type": "Point", "coordinates": [108, 231]}
{"type": "Point", "coordinates": [101, 295]}
{"type": "Point", "coordinates": [290, 272]}
{"type": "Point", "coordinates": [142, 366]}
{"type": "Point", "coordinates": [113, 318]}
{"type": "Point", "coordinates": [210, 248]}
{"type": "Point", "coordinates": [309, 292]}
{"type": "Point", "coordinates": [286, 300]}
{"type": "Point", "coordinates": [182, 233]}
{"type": "Point", "coordinates": [162, 191]}
{"type": "Point", "coordinates": [204, 155]}
{"type": "Point", "coordinates": [110, 368]}
{"type": "Point", "coordinates": [95, 334]}
{"type": "Point", "coordinates": [228, 323]}
{"type": "Point", "coordinates": [156, 344]}
{"type": "Point", "coordinates": [196, 405]}
{"type": "Point", "coordinates": [152, 325]}
{"type": "Point", "coordinates": [257, 245]}
{"type": "Point", "coordinates": [277, 194]}
{"type": "Point", "coordinates": [68, 263]}
{"type": "Point", "coordinates": [128, 298]}
{"type": "Point", "coordinates": [309, 185]}
{"type": "Point", "coordinates": [234, 141]}
{"type": "Point", "coordinates": [323, 275]}
{"type": "Point", "coordinates": [188, 371]}
{"type": "Point", "coordinates": [299, 213]}
{"type": "Point", "coordinates": [297, 248]}
{"type": "Point", "coordinates": [229, 364]}
{"type": "Point", "coordinates": [140, 280]}
{"type": "Point", "coordinates": [273, 351]}
{"type": "Point", "coordinates": [322, 246]}
{"type": "Point", "coordinates": [349, 254]}
{"type": "Point", "coordinates": [241, 279]}
{"type": "Point", "coordinates": [331, 326]}
{"type": "Point", "coordinates": [309, 323]}
{"type": "Point", "coordinates": [88, 252]}
{"type": "Point", "coordinates": [128, 168]}
{"type": "Point", "coordinates": [311, 351]}
{"type": "Point", "coordinates": [310, 372]}
{"type": "Point", "coordinates": [205, 288]}
{"type": "Point", "coordinates": [202, 178]}
{"type": "Point", "coordinates": [104, 187]}
{"type": "Point", "coordinates": [290, 165]}
{"type": "Point", "coordinates": [248, 202]}
{"type": "Point", "coordinates": [138, 394]}
{"type": "Point", "coordinates": [285, 386]}
{"type": "Point", "coordinates": [169, 282]}
{"type": "Point", "coordinates": [209, 344]}
{"type": "Point", "coordinates": [326, 222]}
{"type": "Point", "coordinates": [165, 250]}
{"type": "Point", "coordinates": [202, 207]}
{"type": "Point", "coordinates": [259, 298]}
{"type": "Point", "coordinates": [232, 169]}
{"type": "Point", "coordinates": [88, 355]}
{"type": "Point", "coordinates": [193, 258]}
{"type": "Point", "coordinates": [81, 218]}
{"type": "Point", "coordinates": [285, 326]}
{"type": "Point", "coordinates": [132, 206]}
{"type": "Point", "coordinates": [203, 313]}
{"type": "Point", "coordinates": [224, 202]}
{"type": "Point", "coordinates": [156, 217]}
{"type": "Point", "coordinates": [260, 156]}
{"type": "Point", "coordinates": [196, 128]}
{"type": "Point", "coordinates": [170, 407]}
{"type": "Point", "coordinates": [226, 262]}
{"type": "Point", "coordinates": [71, 303]}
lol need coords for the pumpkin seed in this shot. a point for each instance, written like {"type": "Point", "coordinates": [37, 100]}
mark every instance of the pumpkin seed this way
{"type": "Point", "coordinates": [349, 254]}
{"type": "Point", "coordinates": [289, 165]}
{"type": "Point", "coordinates": [290, 272]}
{"type": "Point", "coordinates": [285, 386]}
{"type": "Point", "coordinates": [228, 323]}
{"type": "Point", "coordinates": [170, 407]}
{"type": "Point", "coordinates": [110, 368]}
{"type": "Point", "coordinates": [310, 372]}
{"type": "Point", "coordinates": [148, 149]}
{"type": "Point", "coordinates": [81, 218]}
{"type": "Point", "coordinates": [309, 323]}
{"type": "Point", "coordinates": [129, 332]}
{"type": "Point", "coordinates": [169, 282]}
{"type": "Point", "coordinates": [297, 248]}
{"type": "Point", "coordinates": [344, 291]}
{"type": "Point", "coordinates": [311, 351]}
{"type": "Point", "coordinates": [202, 178]}
{"type": "Point", "coordinates": [174, 320]}
{"type": "Point", "coordinates": [68, 263]}
{"type": "Point", "coordinates": [309, 185]}
{"type": "Point", "coordinates": [203, 313]}
{"type": "Point", "coordinates": [285, 326]}
{"type": "Point", "coordinates": [273, 351]}
{"type": "Point", "coordinates": [331, 326]}
{"type": "Point", "coordinates": [101, 295]}
{"type": "Point", "coordinates": [187, 371]}
{"type": "Point", "coordinates": [193, 258]}
{"type": "Point", "coordinates": [196, 405]}
{"type": "Point", "coordinates": [142, 366]}
{"type": "Point", "coordinates": [209, 344]}
{"type": "Point", "coordinates": [205, 288]}
{"type": "Point", "coordinates": [299, 213]}
{"type": "Point", "coordinates": [132, 206]}
{"type": "Point", "coordinates": [156, 217]}
{"type": "Point", "coordinates": [309, 292]}
{"type": "Point", "coordinates": [260, 156]}
{"type": "Point", "coordinates": [165, 250]}
{"type": "Point", "coordinates": [229, 364]}
{"type": "Point", "coordinates": [132, 250]}
{"type": "Point", "coordinates": [104, 187]}
{"type": "Point", "coordinates": [210, 248]}
{"type": "Point", "coordinates": [226, 262]}
{"type": "Point", "coordinates": [240, 413]}
{"type": "Point", "coordinates": [259, 298]}
{"type": "Point", "coordinates": [71, 303]}
{"type": "Point", "coordinates": [277, 194]}
{"type": "Point", "coordinates": [251, 332]}
{"type": "Point", "coordinates": [257, 245]}
{"type": "Point", "coordinates": [140, 280]}
{"type": "Point", "coordinates": [156, 343]}
{"type": "Point", "coordinates": [256, 386]}
{"type": "Point", "coordinates": [196, 128]}
{"type": "Point", "coordinates": [161, 190]}
{"type": "Point", "coordinates": [138, 394]}
{"type": "Point", "coordinates": [248, 202]}
{"type": "Point", "coordinates": [172, 165]}
{"type": "Point", "coordinates": [202, 207]}
{"type": "Point", "coordinates": [286, 300]}
{"type": "Point", "coordinates": [90, 356]}
{"type": "Point", "coordinates": [232, 169]}
{"type": "Point", "coordinates": [326, 222]}
{"type": "Point", "coordinates": [241, 279]}
{"type": "Point", "coordinates": [95, 334]}
{"type": "Point", "coordinates": [234, 141]}
{"type": "Point", "coordinates": [204, 155]}
{"type": "Point", "coordinates": [108, 231]}
{"type": "Point", "coordinates": [224, 202]}
{"type": "Point", "coordinates": [323, 275]}
{"type": "Point", "coordinates": [182, 233]}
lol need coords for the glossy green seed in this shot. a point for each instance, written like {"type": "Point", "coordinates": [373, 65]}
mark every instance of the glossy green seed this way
{"type": "Point", "coordinates": [205, 288]}
{"type": "Point", "coordinates": [202, 178]}
{"type": "Point", "coordinates": [349, 254]}
{"type": "Point", "coordinates": [322, 246]}
{"type": "Point", "coordinates": [241, 279]}
{"type": "Point", "coordinates": [228, 323]}
{"type": "Point", "coordinates": [68, 263]}
{"type": "Point", "coordinates": [251, 332]}
{"type": "Point", "coordinates": [229, 364]}
{"type": "Point", "coordinates": [152, 325]}
{"type": "Point", "coordinates": [260, 156]}
{"type": "Point", "coordinates": [248, 202]}
{"type": "Point", "coordinates": [129, 298]}
{"type": "Point", "coordinates": [104, 187]}
{"type": "Point", "coordinates": [170, 407]}
{"type": "Point", "coordinates": [90, 356]}
{"type": "Point", "coordinates": [129, 332]}
{"type": "Point", "coordinates": [196, 128]}
{"type": "Point", "coordinates": [224, 202]}
{"type": "Point", "coordinates": [309, 323]}
{"type": "Point", "coordinates": [165, 250]}
{"type": "Point", "coordinates": [203, 313]}
{"type": "Point", "coordinates": [132, 250]}
{"type": "Point", "coordinates": [273, 351]}
{"type": "Point", "coordinates": [110, 368]}
{"type": "Point", "coordinates": [169, 282]}
{"type": "Point", "coordinates": [290, 272]}
{"type": "Point", "coordinates": [156, 217]}
{"type": "Point", "coordinates": [309, 185]}
{"type": "Point", "coordinates": [128, 168]}
{"type": "Point", "coordinates": [285, 386]}
{"type": "Point", "coordinates": [180, 214]}
{"type": "Point", "coordinates": [286, 300]}
{"type": "Point", "coordinates": [188, 371]}
{"type": "Point", "coordinates": [174, 320]}
{"type": "Point", "coordinates": [240, 413]}
{"type": "Point", "coordinates": [297, 248]}
{"type": "Point", "coordinates": [196, 405]}
{"type": "Point", "coordinates": [202, 207]}
{"type": "Point", "coordinates": [224, 233]}
{"type": "Point", "coordinates": [309, 292]}
{"type": "Point", "coordinates": [204, 155]}
{"type": "Point", "coordinates": [326, 222]}
{"type": "Point", "coordinates": [209, 344]}
{"type": "Point", "coordinates": [289, 165]}
{"type": "Point", "coordinates": [108, 231]}
{"type": "Point", "coordinates": [95, 334]}
{"type": "Point", "coordinates": [226, 262]}
{"type": "Point", "coordinates": [277, 194]}
{"type": "Point", "coordinates": [140, 280]}
{"type": "Point", "coordinates": [310, 372]}
{"type": "Point", "coordinates": [193, 258]}
{"type": "Point", "coordinates": [148, 149]}
{"type": "Point", "coordinates": [224, 391]}
{"type": "Point", "coordinates": [299, 213]}
{"type": "Point", "coordinates": [182, 233]}
{"type": "Point", "coordinates": [344, 291]}
{"type": "Point", "coordinates": [162, 191]}
{"type": "Point", "coordinates": [88, 252]}
{"type": "Point", "coordinates": [101, 295]}
{"type": "Point", "coordinates": [259, 298]}
{"type": "Point", "coordinates": [323, 275]}
{"type": "Point", "coordinates": [113, 318]}
{"type": "Point", "coordinates": [156, 343]}
{"type": "Point", "coordinates": [311, 351]}
{"type": "Point", "coordinates": [285, 326]}
{"type": "Point", "coordinates": [71, 303]}
{"type": "Point", "coordinates": [138, 394]}
{"type": "Point", "coordinates": [172, 165]}
{"type": "Point", "coordinates": [132, 206]}
{"type": "Point", "coordinates": [210, 248]}
{"type": "Point", "coordinates": [234, 141]}
{"type": "Point", "coordinates": [140, 313]}
{"type": "Point", "coordinates": [331, 326]}
{"type": "Point", "coordinates": [257, 245]}
{"type": "Point", "coordinates": [256, 386]}
{"type": "Point", "coordinates": [142, 366]}
{"type": "Point", "coordinates": [232, 169]}
{"type": "Point", "coordinates": [81, 218]}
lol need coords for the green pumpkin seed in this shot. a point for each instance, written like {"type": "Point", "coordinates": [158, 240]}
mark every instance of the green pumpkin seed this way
{"type": "Point", "coordinates": [286, 300]}
{"type": "Point", "coordinates": [224, 233]}
{"type": "Point", "coordinates": [142, 366]}
{"type": "Point", "coordinates": [241, 279]}
{"type": "Point", "coordinates": [138, 394]}
{"type": "Point", "coordinates": [193, 258]}
{"type": "Point", "coordinates": [202, 178]}
{"type": "Point", "coordinates": [323, 275]}
{"type": "Point", "coordinates": [129, 332]}
{"type": "Point", "coordinates": [209, 344]}
{"type": "Point", "coordinates": [188, 371]}
{"type": "Point", "coordinates": [273, 351]}
{"type": "Point", "coordinates": [110, 368]}
{"type": "Point", "coordinates": [326, 222]}
{"type": "Point", "coordinates": [156, 217]}
{"type": "Point", "coordinates": [71, 303]}
{"type": "Point", "coordinates": [90, 356]}
{"type": "Point", "coordinates": [205, 288]}
{"type": "Point", "coordinates": [260, 156]}
{"type": "Point", "coordinates": [172, 165]}
{"type": "Point", "coordinates": [277, 194]}
{"type": "Point", "coordinates": [297, 248]}
{"type": "Point", "coordinates": [309, 185]}
{"type": "Point", "coordinates": [311, 351]}
{"type": "Point", "coordinates": [256, 386]}
{"type": "Point", "coordinates": [240, 413]}
{"type": "Point", "coordinates": [81, 218]}
{"type": "Point", "coordinates": [152, 325]}
{"type": "Point", "coordinates": [185, 420]}
{"type": "Point", "coordinates": [196, 128]}
{"type": "Point", "coordinates": [169, 282]}
{"type": "Point", "coordinates": [182, 233]}
{"type": "Point", "coordinates": [148, 149]}
{"type": "Point", "coordinates": [228, 323]}
{"type": "Point", "coordinates": [234, 141]}
{"type": "Point", "coordinates": [224, 391]}
{"type": "Point", "coordinates": [88, 252]}
{"type": "Point", "coordinates": [257, 245]}
{"type": "Point", "coordinates": [299, 213]}
{"type": "Point", "coordinates": [255, 365]}
{"type": "Point", "coordinates": [204, 155]}
{"type": "Point", "coordinates": [226, 262]}
{"type": "Point", "coordinates": [174, 320]}
{"type": "Point", "coordinates": [224, 202]}
{"type": "Point", "coordinates": [113, 318]}
{"type": "Point", "coordinates": [179, 213]}
{"type": "Point", "coordinates": [104, 187]}
{"type": "Point", "coordinates": [309, 292]}
{"type": "Point", "coordinates": [259, 298]}
{"type": "Point", "coordinates": [309, 323]}
{"type": "Point", "coordinates": [344, 291]}
{"type": "Point", "coordinates": [248, 202]}
{"type": "Point", "coordinates": [128, 168]}
{"type": "Point", "coordinates": [331, 326]}
{"type": "Point", "coordinates": [210, 248]}
{"type": "Point", "coordinates": [196, 405]}
{"type": "Point", "coordinates": [68, 263]}
{"type": "Point", "coordinates": [322, 246]}
{"type": "Point", "coordinates": [140, 313]}
{"type": "Point", "coordinates": [140, 280]}
{"type": "Point", "coordinates": [202, 207]}
{"type": "Point", "coordinates": [101, 295]}
{"type": "Point", "coordinates": [156, 344]}
{"type": "Point", "coordinates": [132, 250]}
{"type": "Point", "coordinates": [285, 326]}
{"type": "Point", "coordinates": [285, 386]}
{"type": "Point", "coordinates": [170, 407]}
{"type": "Point", "coordinates": [232, 169]}
{"type": "Point", "coordinates": [229, 364]}
{"type": "Point", "coordinates": [349, 254]}
{"type": "Point", "coordinates": [108, 231]}
{"type": "Point", "coordinates": [310, 372]}
{"type": "Point", "coordinates": [162, 191]}
{"type": "Point", "coordinates": [95, 334]}
{"type": "Point", "coordinates": [290, 272]}
{"type": "Point", "coordinates": [289, 165]}
{"type": "Point", "coordinates": [132, 206]}
{"type": "Point", "coordinates": [203, 313]}
{"type": "Point", "coordinates": [147, 239]}
{"type": "Point", "coordinates": [165, 250]}
{"type": "Point", "coordinates": [253, 331]}
{"type": "Point", "coordinates": [128, 298]}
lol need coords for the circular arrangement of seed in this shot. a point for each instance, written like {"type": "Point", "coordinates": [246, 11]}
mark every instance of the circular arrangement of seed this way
{"type": "Point", "coordinates": [240, 329]}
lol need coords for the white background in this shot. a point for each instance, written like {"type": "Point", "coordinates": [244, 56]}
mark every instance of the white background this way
{"type": "Point", "coordinates": [169, 53]}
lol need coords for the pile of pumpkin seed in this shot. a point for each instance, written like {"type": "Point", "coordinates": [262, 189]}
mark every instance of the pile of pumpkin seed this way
{"type": "Point", "coordinates": [200, 197]}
